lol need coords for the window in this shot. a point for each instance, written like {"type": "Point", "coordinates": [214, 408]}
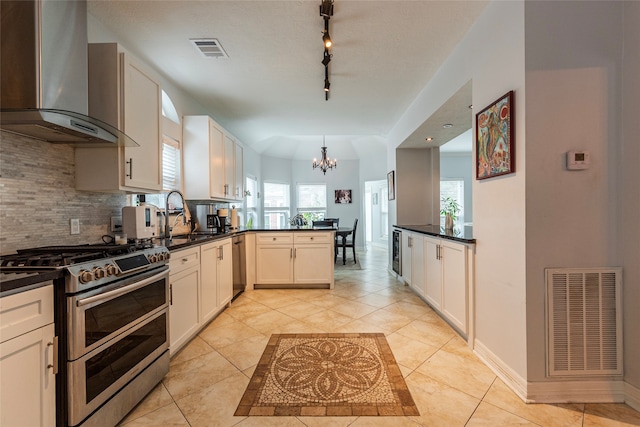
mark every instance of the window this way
{"type": "Point", "coordinates": [453, 188]}
{"type": "Point", "coordinates": [251, 191]}
{"type": "Point", "coordinates": [312, 201]}
{"type": "Point", "coordinates": [276, 204]}
{"type": "Point", "coordinates": [170, 164]}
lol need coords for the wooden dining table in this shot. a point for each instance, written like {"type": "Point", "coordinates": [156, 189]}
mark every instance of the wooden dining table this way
{"type": "Point", "coordinates": [343, 233]}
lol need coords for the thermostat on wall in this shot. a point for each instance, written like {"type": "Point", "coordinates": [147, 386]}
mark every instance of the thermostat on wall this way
{"type": "Point", "coordinates": [578, 160]}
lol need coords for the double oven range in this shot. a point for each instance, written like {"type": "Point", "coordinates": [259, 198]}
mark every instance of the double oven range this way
{"type": "Point", "coordinates": [112, 323]}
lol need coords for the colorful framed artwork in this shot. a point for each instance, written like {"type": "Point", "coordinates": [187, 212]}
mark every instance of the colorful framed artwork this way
{"type": "Point", "coordinates": [343, 196]}
{"type": "Point", "coordinates": [391, 183]}
{"type": "Point", "coordinates": [495, 138]}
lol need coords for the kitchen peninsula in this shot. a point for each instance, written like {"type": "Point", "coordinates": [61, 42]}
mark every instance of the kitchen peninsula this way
{"type": "Point", "coordinates": [439, 264]}
{"type": "Point", "coordinates": [202, 270]}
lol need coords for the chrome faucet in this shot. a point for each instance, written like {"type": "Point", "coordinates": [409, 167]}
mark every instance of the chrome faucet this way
{"type": "Point", "coordinates": [168, 228]}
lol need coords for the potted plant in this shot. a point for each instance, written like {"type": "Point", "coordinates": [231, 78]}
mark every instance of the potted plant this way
{"type": "Point", "coordinates": [449, 208]}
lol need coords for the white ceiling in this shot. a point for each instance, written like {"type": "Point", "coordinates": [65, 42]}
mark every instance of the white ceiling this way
{"type": "Point", "coordinates": [269, 92]}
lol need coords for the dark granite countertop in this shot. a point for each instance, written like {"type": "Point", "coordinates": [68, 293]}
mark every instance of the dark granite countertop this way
{"type": "Point", "coordinates": [460, 234]}
{"type": "Point", "coordinates": [198, 238]}
{"type": "Point", "coordinates": [12, 283]}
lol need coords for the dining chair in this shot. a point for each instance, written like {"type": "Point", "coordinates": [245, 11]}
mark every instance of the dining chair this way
{"type": "Point", "coordinates": [351, 241]}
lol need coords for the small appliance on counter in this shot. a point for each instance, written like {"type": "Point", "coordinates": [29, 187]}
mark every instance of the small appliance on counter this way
{"type": "Point", "coordinates": [207, 219]}
{"type": "Point", "coordinates": [223, 214]}
{"type": "Point", "coordinates": [139, 222]}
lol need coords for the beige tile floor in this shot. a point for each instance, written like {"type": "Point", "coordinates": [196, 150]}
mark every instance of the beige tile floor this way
{"type": "Point", "coordinates": [450, 386]}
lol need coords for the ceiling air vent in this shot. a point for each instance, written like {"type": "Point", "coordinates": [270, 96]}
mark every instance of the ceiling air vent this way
{"type": "Point", "coordinates": [209, 48]}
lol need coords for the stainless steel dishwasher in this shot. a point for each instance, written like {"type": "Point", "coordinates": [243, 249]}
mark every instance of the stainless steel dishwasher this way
{"type": "Point", "coordinates": [239, 265]}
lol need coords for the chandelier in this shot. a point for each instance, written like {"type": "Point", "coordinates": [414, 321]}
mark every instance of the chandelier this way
{"type": "Point", "coordinates": [325, 162]}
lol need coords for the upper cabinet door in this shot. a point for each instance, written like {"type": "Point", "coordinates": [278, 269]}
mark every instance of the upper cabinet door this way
{"type": "Point", "coordinates": [209, 160]}
{"type": "Point", "coordinates": [142, 110]}
{"type": "Point", "coordinates": [124, 93]}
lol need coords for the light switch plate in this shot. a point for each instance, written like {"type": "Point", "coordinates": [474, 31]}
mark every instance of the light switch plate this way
{"type": "Point", "coordinates": [75, 226]}
{"type": "Point", "coordinates": [116, 223]}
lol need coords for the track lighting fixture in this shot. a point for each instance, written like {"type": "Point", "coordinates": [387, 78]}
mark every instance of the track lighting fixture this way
{"type": "Point", "coordinates": [326, 8]}
{"type": "Point", "coordinates": [326, 39]}
{"type": "Point", "coordinates": [326, 59]}
{"type": "Point", "coordinates": [326, 11]}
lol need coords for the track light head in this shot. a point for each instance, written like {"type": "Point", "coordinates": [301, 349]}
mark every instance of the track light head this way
{"type": "Point", "coordinates": [326, 59]}
{"type": "Point", "coordinates": [326, 39]}
{"type": "Point", "coordinates": [326, 8]}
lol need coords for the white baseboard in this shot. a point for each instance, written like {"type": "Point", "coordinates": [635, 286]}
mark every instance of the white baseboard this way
{"type": "Point", "coordinates": [632, 396]}
{"type": "Point", "coordinates": [565, 391]}
{"type": "Point", "coordinates": [511, 378]}
{"type": "Point", "coordinates": [589, 391]}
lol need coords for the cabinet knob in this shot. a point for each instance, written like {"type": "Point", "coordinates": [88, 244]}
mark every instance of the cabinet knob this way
{"type": "Point", "coordinates": [274, 238]}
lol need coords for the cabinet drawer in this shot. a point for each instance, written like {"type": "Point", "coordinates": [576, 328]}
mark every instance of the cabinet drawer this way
{"type": "Point", "coordinates": [324, 237]}
{"type": "Point", "coordinates": [274, 238]}
{"type": "Point", "coordinates": [25, 311]}
{"type": "Point", "coordinates": [181, 260]}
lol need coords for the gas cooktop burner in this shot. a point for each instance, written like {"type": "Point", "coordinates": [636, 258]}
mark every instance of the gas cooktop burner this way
{"type": "Point", "coordinates": [61, 256]}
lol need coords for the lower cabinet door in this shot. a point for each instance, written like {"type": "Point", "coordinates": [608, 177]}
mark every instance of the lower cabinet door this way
{"type": "Point", "coordinates": [184, 310]}
{"type": "Point", "coordinates": [28, 387]}
{"type": "Point", "coordinates": [433, 272]}
{"type": "Point", "coordinates": [454, 283]}
{"type": "Point", "coordinates": [274, 264]}
{"type": "Point", "coordinates": [225, 274]}
{"type": "Point", "coordinates": [209, 280]}
{"type": "Point", "coordinates": [312, 264]}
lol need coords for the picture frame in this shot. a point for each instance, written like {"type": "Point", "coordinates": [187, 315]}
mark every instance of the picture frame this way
{"type": "Point", "coordinates": [391, 183]}
{"type": "Point", "coordinates": [495, 138]}
{"type": "Point", "coordinates": [343, 196]}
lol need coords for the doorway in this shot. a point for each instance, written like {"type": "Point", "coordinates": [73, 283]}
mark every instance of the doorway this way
{"type": "Point", "coordinates": [376, 213]}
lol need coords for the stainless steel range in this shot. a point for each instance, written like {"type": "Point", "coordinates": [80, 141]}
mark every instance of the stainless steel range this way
{"type": "Point", "coordinates": [112, 320]}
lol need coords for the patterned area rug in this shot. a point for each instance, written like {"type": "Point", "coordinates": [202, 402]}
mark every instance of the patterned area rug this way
{"type": "Point", "coordinates": [327, 375]}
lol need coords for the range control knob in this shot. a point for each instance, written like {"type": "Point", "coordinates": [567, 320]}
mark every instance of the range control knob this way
{"type": "Point", "coordinates": [153, 258]}
{"type": "Point", "coordinates": [85, 276]}
{"type": "Point", "coordinates": [99, 272]}
{"type": "Point", "coordinates": [111, 270]}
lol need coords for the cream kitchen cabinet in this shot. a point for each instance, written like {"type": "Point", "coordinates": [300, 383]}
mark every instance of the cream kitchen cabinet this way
{"type": "Point", "coordinates": [447, 279]}
{"type": "Point", "coordinates": [28, 359]}
{"type": "Point", "coordinates": [415, 272]}
{"type": "Point", "coordinates": [294, 258]}
{"type": "Point", "coordinates": [239, 169]}
{"type": "Point", "coordinates": [184, 291]}
{"type": "Point", "coordinates": [126, 94]}
{"type": "Point", "coordinates": [216, 270]}
{"type": "Point", "coordinates": [210, 153]}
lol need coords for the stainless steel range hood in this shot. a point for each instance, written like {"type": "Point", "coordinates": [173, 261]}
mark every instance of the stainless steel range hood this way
{"type": "Point", "coordinates": [44, 75]}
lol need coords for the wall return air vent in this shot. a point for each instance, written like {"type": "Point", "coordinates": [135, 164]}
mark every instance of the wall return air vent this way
{"type": "Point", "coordinates": [209, 48]}
{"type": "Point", "coordinates": [584, 322]}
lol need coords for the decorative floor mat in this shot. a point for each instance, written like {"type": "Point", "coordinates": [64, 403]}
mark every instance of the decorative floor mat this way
{"type": "Point", "coordinates": [327, 375]}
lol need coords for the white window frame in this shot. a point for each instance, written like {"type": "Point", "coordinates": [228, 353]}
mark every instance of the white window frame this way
{"type": "Point", "coordinates": [457, 193]}
{"type": "Point", "coordinates": [251, 201]}
{"type": "Point", "coordinates": [311, 212]}
{"type": "Point", "coordinates": [284, 211]}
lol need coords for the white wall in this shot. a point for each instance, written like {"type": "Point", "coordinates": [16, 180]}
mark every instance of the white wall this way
{"type": "Point", "coordinates": [573, 103]}
{"type": "Point", "coordinates": [629, 173]}
{"type": "Point", "coordinates": [491, 55]}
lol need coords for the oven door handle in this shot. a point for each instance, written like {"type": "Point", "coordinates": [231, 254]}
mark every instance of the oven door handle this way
{"type": "Point", "coordinates": [120, 291]}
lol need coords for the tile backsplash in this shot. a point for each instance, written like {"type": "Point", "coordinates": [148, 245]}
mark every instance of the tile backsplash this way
{"type": "Point", "coordinates": [38, 197]}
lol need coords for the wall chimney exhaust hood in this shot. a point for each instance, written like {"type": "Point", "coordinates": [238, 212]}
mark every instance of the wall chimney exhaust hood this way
{"type": "Point", "coordinates": [44, 75]}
